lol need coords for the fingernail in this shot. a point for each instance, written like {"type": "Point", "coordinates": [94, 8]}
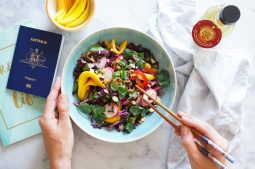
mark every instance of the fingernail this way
{"type": "Point", "coordinates": [185, 118]}
{"type": "Point", "coordinates": [180, 113]}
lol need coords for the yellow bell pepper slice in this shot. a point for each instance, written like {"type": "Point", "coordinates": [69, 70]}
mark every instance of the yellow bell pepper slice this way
{"type": "Point", "coordinates": [82, 90]}
{"type": "Point", "coordinates": [123, 46]}
{"type": "Point", "coordinates": [149, 76]}
{"type": "Point", "coordinates": [106, 42]}
{"type": "Point", "coordinates": [112, 46]}
{"type": "Point", "coordinates": [85, 80]}
{"type": "Point", "coordinates": [61, 9]}
{"type": "Point", "coordinates": [112, 119]}
{"type": "Point", "coordinates": [84, 77]}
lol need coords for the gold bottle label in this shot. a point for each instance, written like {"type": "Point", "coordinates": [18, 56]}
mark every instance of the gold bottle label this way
{"type": "Point", "coordinates": [206, 34]}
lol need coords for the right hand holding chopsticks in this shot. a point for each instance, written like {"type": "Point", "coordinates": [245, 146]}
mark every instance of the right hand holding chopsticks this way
{"type": "Point", "coordinates": [197, 160]}
{"type": "Point", "coordinates": [212, 142]}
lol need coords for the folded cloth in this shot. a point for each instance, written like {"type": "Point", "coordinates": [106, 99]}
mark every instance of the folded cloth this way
{"type": "Point", "coordinates": [212, 83]}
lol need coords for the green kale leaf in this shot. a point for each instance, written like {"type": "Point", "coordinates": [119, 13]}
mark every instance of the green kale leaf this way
{"type": "Point", "coordinates": [121, 63]}
{"type": "Point", "coordinates": [128, 54]}
{"type": "Point", "coordinates": [85, 67]}
{"type": "Point", "coordinates": [163, 78]}
{"type": "Point", "coordinates": [85, 108]}
{"type": "Point", "coordinates": [135, 110]}
{"type": "Point", "coordinates": [114, 86]}
{"type": "Point", "coordinates": [132, 119]}
{"type": "Point", "coordinates": [140, 63]}
{"type": "Point", "coordinates": [75, 87]}
{"type": "Point", "coordinates": [144, 112]}
{"type": "Point", "coordinates": [116, 74]}
{"type": "Point", "coordinates": [123, 75]}
{"type": "Point", "coordinates": [129, 127]}
{"type": "Point", "coordinates": [96, 111]}
{"type": "Point", "coordinates": [133, 94]}
{"type": "Point", "coordinates": [93, 95]}
{"type": "Point", "coordinates": [123, 90]}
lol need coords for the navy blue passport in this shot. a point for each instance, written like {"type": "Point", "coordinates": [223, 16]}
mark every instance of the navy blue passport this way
{"type": "Point", "coordinates": [35, 61]}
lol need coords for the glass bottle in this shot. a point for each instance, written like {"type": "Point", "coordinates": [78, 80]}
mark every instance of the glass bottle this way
{"type": "Point", "coordinates": [224, 17]}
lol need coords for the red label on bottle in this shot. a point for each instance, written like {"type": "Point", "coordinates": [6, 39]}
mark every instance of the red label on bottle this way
{"type": "Point", "coordinates": [206, 34]}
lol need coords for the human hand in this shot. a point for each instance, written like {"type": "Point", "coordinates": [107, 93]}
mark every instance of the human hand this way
{"type": "Point", "coordinates": [196, 158]}
{"type": "Point", "coordinates": [57, 129]}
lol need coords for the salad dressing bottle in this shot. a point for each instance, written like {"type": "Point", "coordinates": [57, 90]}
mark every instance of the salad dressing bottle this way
{"type": "Point", "coordinates": [218, 21]}
{"type": "Point", "coordinates": [224, 17]}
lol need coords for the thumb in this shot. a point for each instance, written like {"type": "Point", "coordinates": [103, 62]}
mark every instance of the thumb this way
{"type": "Point", "coordinates": [63, 107]}
{"type": "Point", "coordinates": [188, 142]}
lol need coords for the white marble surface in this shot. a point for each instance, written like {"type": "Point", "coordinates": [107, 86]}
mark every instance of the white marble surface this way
{"type": "Point", "coordinates": [147, 153]}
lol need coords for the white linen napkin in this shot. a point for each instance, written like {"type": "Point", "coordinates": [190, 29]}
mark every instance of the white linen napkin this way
{"type": "Point", "coordinates": [212, 83]}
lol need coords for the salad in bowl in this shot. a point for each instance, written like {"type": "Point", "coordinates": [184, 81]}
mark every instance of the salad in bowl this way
{"type": "Point", "coordinates": [99, 78]}
{"type": "Point", "coordinates": [104, 83]}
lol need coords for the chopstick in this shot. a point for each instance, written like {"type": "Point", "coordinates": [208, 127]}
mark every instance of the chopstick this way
{"type": "Point", "coordinates": [201, 136]}
{"type": "Point", "coordinates": [161, 114]}
{"type": "Point", "coordinates": [206, 153]}
{"type": "Point", "coordinates": [203, 150]}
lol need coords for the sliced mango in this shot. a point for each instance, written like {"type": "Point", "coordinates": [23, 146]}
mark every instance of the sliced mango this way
{"type": "Point", "coordinates": [149, 76]}
{"type": "Point", "coordinates": [112, 119]}
{"type": "Point", "coordinates": [147, 65]}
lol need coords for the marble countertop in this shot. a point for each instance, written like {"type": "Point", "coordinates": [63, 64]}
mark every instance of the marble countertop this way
{"type": "Point", "coordinates": [147, 153]}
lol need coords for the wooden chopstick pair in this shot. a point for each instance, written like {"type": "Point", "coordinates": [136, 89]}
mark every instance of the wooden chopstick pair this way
{"type": "Point", "coordinates": [197, 133]}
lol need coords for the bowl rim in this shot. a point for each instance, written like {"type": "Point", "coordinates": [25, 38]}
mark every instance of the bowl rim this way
{"type": "Point", "coordinates": [138, 137]}
{"type": "Point", "coordinates": [78, 27]}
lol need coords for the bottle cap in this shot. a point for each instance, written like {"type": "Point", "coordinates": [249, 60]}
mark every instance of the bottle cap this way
{"type": "Point", "coordinates": [206, 34]}
{"type": "Point", "coordinates": [230, 14]}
